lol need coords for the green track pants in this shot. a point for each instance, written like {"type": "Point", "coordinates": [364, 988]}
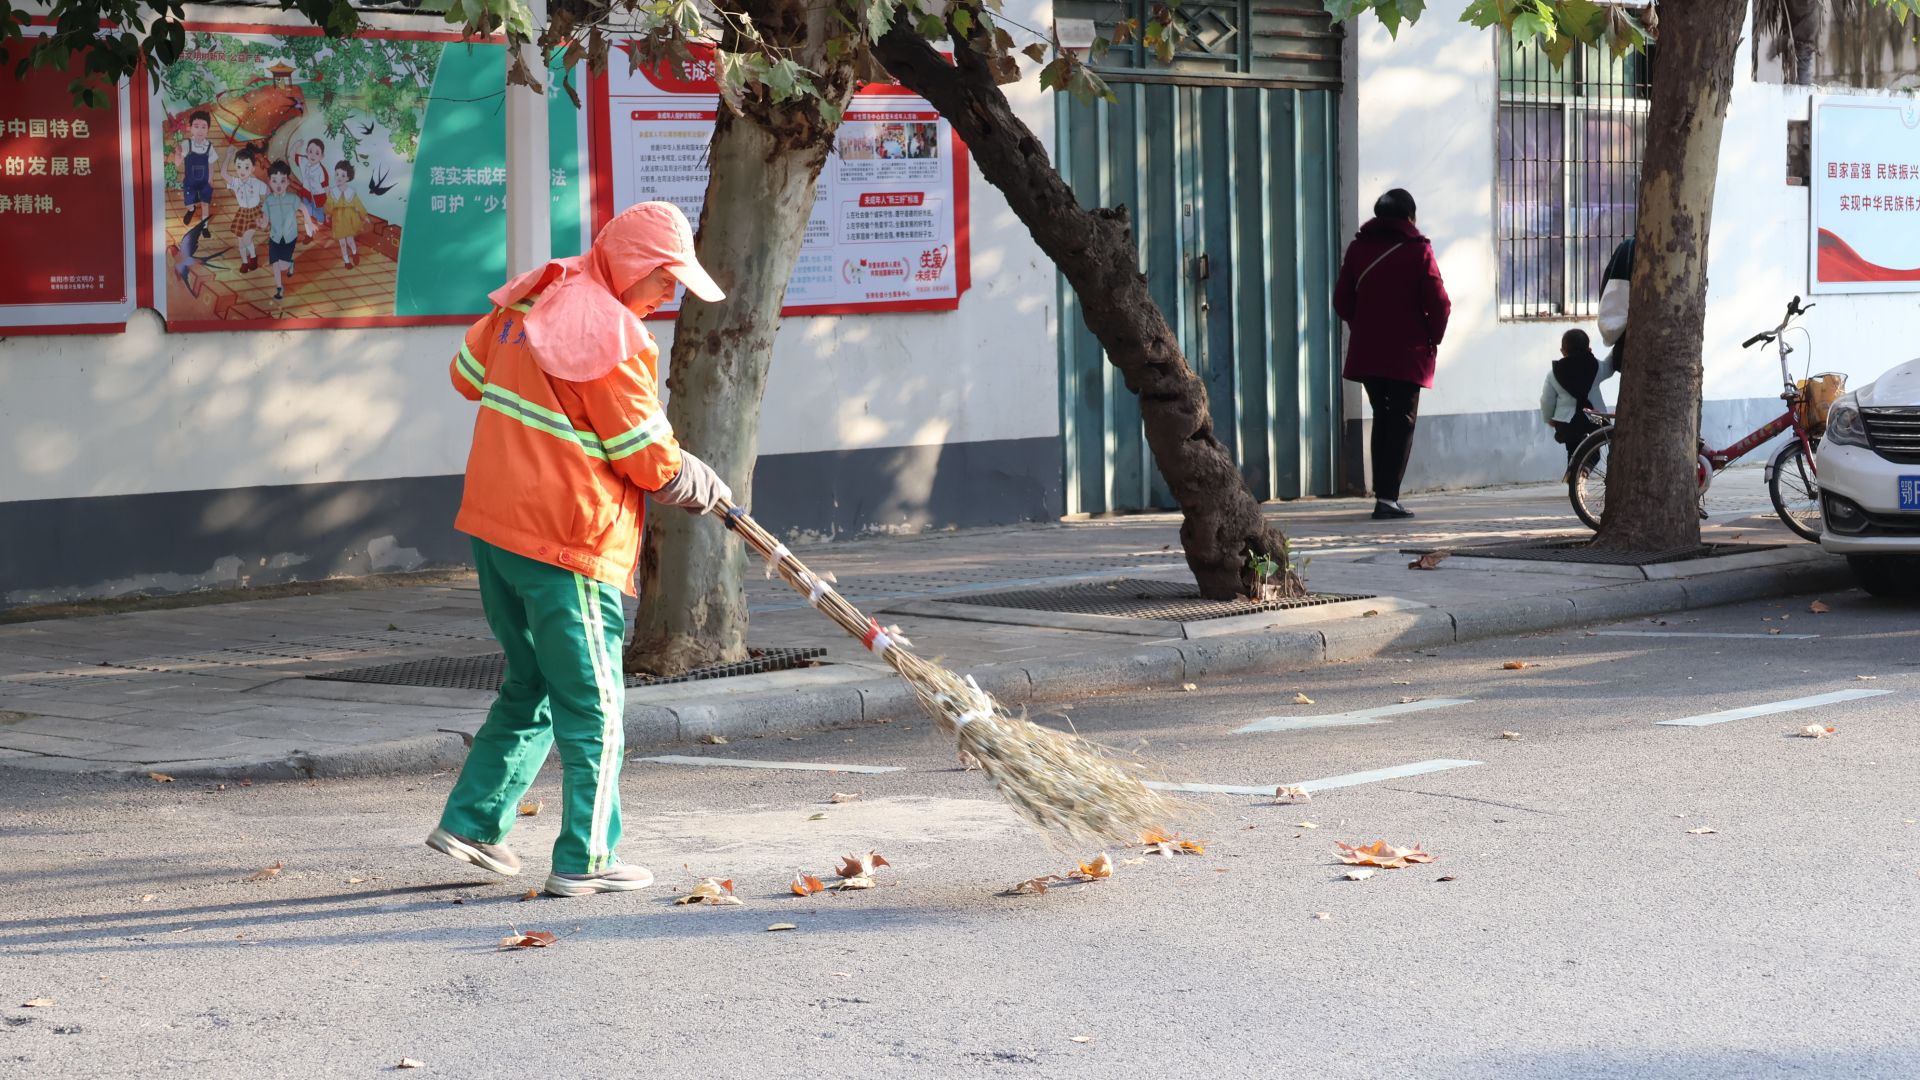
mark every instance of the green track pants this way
{"type": "Point", "coordinates": [562, 634]}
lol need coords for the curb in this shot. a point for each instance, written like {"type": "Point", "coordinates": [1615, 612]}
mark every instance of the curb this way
{"type": "Point", "coordinates": [1128, 667]}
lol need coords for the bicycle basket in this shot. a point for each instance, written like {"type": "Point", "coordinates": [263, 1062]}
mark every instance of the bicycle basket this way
{"type": "Point", "coordinates": [1817, 395]}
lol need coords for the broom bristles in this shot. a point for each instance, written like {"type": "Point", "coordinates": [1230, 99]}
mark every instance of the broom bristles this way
{"type": "Point", "coordinates": [1057, 780]}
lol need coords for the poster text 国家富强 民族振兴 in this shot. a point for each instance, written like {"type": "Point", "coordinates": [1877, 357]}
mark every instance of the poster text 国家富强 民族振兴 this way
{"type": "Point", "coordinates": [889, 224]}
{"type": "Point", "coordinates": [1866, 195]}
{"type": "Point", "coordinates": [308, 181]}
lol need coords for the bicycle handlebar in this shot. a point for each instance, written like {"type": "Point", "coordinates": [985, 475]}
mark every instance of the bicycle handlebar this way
{"type": "Point", "coordinates": [1794, 310]}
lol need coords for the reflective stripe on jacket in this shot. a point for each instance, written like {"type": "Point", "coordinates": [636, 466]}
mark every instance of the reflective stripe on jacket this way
{"type": "Point", "coordinates": [558, 469]}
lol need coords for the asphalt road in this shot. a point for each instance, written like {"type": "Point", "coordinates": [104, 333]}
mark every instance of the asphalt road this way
{"type": "Point", "coordinates": [1578, 921]}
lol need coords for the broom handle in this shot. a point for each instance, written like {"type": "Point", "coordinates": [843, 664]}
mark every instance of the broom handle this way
{"type": "Point", "coordinates": [819, 593]}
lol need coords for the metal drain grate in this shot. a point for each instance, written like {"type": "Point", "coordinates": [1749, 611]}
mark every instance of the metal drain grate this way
{"type": "Point", "coordinates": [1578, 551]}
{"type": "Point", "coordinates": [1139, 598]}
{"type": "Point", "coordinates": [486, 672]}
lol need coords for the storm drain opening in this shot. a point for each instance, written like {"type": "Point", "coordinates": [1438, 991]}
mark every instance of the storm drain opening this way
{"type": "Point", "coordinates": [486, 672]}
{"type": "Point", "coordinates": [1582, 551]}
{"type": "Point", "coordinates": [1139, 598]}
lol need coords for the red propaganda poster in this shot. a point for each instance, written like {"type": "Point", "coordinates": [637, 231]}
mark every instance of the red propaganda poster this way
{"type": "Point", "coordinates": [66, 204]}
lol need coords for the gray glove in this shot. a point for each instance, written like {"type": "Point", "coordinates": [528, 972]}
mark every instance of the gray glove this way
{"type": "Point", "coordinates": [696, 489]}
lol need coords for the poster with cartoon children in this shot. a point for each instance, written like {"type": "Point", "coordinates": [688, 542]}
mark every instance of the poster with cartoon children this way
{"type": "Point", "coordinates": [306, 181]}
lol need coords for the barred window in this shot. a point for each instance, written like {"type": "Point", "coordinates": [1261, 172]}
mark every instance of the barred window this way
{"type": "Point", "coordinates": [1570, 143]}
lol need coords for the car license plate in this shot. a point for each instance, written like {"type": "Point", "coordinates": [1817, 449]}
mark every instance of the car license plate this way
{"type": "Point", "coordinates": [1910, 493]}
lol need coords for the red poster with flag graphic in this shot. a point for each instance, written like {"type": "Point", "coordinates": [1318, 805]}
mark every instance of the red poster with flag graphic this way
{"type": "Point", "coordinates": [65, 206]}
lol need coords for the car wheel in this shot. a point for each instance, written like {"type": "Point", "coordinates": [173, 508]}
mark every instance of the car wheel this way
{"type": "Point", "coordinates": [1894, 576]}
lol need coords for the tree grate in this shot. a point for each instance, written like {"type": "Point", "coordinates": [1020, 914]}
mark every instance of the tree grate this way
{"type": "Point", "coordinates": [487, 671]}
{"type": "Point", "coordinates": [1140, 598]}
{"type": "Point", "coordinates": [1580, 551]}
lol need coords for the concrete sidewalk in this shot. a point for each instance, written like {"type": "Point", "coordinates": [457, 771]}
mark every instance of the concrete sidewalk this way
{"type": "Point", "coordinates": [221, 690]}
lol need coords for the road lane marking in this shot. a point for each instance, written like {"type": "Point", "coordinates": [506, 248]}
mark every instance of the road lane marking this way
{"type": "Point", "coordinates": [743, 763]}
{"type": "Point", "coordinates": [1378, 715]}
{"type": "Point", "coordinates": [1701, 633]}
{"type": "Point", "coordinates": [1772, 707]}
{"type": "Point", "coordinates": [1418, 768]}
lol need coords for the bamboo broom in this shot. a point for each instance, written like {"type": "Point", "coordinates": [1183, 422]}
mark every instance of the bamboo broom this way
{"type": "Point", "coordinates": [1059, 781]}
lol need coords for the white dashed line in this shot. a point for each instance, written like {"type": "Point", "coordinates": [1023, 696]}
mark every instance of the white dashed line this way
{"type": "Point", "coordinates": [1378, 715]}
{"type": "Point", "coordinates": [1418, 768]}
{"type": "Point", "coordinates": [742, 763]}
{"type": "Point", "coordinates": [1772, 707]}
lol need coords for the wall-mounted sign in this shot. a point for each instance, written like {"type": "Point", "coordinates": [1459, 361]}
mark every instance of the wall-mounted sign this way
{"type": "Point", "coordinates": [66, 207]}
{"type": "Point", "coordinates": [303, 181]}
{"type": "Point", "coordinates": [889, 224]}
{"type": "Point", "coordinates": [1866, 195]}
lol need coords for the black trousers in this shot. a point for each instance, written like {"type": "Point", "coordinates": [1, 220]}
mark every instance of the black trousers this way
{"type": "Point", "coordinates": [1396, 408]}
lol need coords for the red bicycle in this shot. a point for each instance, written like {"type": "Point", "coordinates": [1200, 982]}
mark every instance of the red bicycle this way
{"type": "Point", "coordinates": [1791, 481]}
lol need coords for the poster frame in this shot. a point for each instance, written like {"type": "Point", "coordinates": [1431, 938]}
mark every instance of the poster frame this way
{"type": "Point", "coordinates": [600, 157]}
{"type": "Point", "coordinates": [155, 201]}
{"type": "Point", "coordinates": [1817, 183]}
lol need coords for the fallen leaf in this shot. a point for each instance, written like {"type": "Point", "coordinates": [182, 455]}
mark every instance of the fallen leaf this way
{"type": "Point", "coordinates": [1292, 795]}
{"type": "Point", "coordinates": [1369, 613]}
{"type": "Point", "coordinates": [1403, 682]}
{"type": "Point", "coordinates": [860, 866]}
{"type": "Point", "coordinates": [1515, 665]}
{"type": "Point", "coordinates": [713, 740]}
{"type": "Point", "coordinates": [1510, 735]}
{"type": "Point", "coordinates": [1189, 686]}
{"type": "Point", "coordinates": [533, 939]}
{"type": "Point", "coordinates": [355, 880]}
{"type": "Point", "coordinates": [1702, 831]}
{"type": "Point", "coordinates": [411, 1063]}
{"type": "Point", "coordinates": [1408, 700]}
{"type": "Point", "coordinates": [805, 885]}
{"type": "Point", "coordinates": [1302, 699]}
{"type": "Point", "coordinates": [816, 817]}
{"type": "Point", "coordinates": [148, 898]}
{"type": "Point", "coordinates": [843, 796]}
{"type": "Point", "coordinates": [1080, 1038]}
{"type": "Point", "coordinates": [1099, 868]}
{"type": "Point", "coordinates": [530, 809]}
{"type": "Point", "coordinates": [160, 778]}
{"type": "Point", "coordinates": [1323, 916]}
{"type": "Point", "coordinates": [1382, 854]}
{"type": "Point", "coordinates": [1815, 731]}
{"type": "Point", "coordinates": [1170, 844]}
{"type": "Point", "coordinates": [1033, 886]}
{"type": "Point", "coordinates": [37, 1003]}
{"type": "Point", "coordinates": [1139, 860]}
{"type": "Point", "coordinates": [1361, 874]}
{"type": "Point", "coordinates": [244, 782]}
{"type": "Point", "coordinates": [267, 873]}
{"type": "Point", "coordinates": [840, 974]}
{"type": "Point", "coordinates": [1867, 677]}
{"type": "Point", "coordinates": [530, 894]}
{"type": "Point", "coordinates": [1818, 608]}
{"type": "Point", "coordinates": [1430, 561]}
{"type": "Point", "coordinates": [781, 926]}
{"type": "Point", "coordinates": [1775, 631]}
{"type": "Point", "coordinates": [1447, 877]}
{"type": "Point", "coordinates": [712, 891]}
{"type": "Point", "coordinates": [1305, 825]}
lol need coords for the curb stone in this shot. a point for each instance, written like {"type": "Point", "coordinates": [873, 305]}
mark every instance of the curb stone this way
{"type": "Point", "coordinates": [1137, 667]}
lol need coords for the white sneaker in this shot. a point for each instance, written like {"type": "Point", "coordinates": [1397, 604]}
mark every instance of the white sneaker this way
{"type": "Point", "coordinates": [621, 877]}
{"type": "Point", "coordinates": [494, 857]}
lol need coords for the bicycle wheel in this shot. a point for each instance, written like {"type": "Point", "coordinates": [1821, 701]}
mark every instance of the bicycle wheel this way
{"type": "Point", "coordinates": [1587, 477]}
{"type": "Point", "coordinates": [1796, 494]}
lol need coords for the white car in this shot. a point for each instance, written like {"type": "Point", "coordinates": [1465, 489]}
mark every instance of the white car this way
{"type": "Point", "coordinates": [1869, 474]}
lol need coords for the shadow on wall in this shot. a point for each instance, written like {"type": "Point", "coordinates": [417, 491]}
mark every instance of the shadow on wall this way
{"type": "Point", "coordinates": [71, 549]}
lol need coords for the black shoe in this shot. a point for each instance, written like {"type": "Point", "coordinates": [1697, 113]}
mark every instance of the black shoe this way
{"type": "Point", "coordinates": [186, 217]}
{"type": "Point", "coordinates": [279, 293]}
{"type": "Point", "coordinates": [1385, 511]}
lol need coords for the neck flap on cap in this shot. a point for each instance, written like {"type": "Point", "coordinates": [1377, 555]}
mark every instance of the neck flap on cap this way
{"type": "Point", "coordinates": [578, 328]}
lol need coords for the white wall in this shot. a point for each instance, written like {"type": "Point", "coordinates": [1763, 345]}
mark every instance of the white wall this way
{"type": "Point", "coordinates": [1426, 122]}
{"type": "Point", "coordinates": [147, 411]}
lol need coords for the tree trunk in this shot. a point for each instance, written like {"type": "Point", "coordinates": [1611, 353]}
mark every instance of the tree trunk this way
{"type": "Point", "coordinates": [1222, 523]}
{"type": "Point", "coordinates": [760, 193]}
{"type": "Point", "coordinates": [1655, 443]}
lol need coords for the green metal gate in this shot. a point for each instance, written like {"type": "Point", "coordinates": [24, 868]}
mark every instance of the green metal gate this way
{"type": "Point", "coordinates": [1233, 197]}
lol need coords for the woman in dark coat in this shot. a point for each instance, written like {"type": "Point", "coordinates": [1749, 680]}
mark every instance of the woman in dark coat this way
{"type": "Point", "coordinates": [1395, 307]}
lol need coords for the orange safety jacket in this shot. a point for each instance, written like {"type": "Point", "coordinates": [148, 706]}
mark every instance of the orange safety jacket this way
{"type": "Point", "coordinates": [558, 468]}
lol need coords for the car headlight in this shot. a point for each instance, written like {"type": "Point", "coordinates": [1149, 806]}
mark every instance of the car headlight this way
{"type": "Point", "coordinates": [1844, 426]}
